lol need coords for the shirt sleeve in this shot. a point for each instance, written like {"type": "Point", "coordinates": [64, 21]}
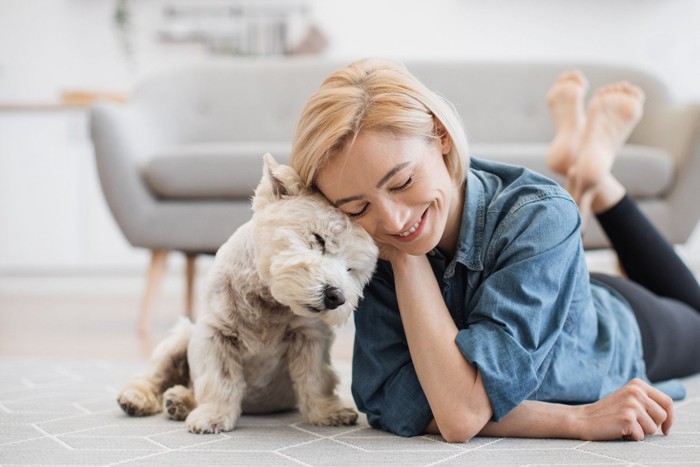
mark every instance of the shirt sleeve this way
{"type": "Point", "coordinates": [519, 309]}
{"type": "Point", "coordinates": [384, 381]}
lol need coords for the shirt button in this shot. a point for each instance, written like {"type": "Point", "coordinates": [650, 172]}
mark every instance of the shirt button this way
{"type": "Point", "coordinates": [432, 252]}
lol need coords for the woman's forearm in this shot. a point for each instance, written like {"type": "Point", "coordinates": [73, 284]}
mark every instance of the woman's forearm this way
{"type": "Point", "coordinates": [632, 412]}
{"type": "Point", "coordinates": [452, 385]}
{"type": "Point", "coordinates": [533, 419]}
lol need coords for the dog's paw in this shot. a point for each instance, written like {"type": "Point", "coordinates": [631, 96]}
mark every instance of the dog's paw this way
{"type": "Point", "coordinates": [178, 402]}
{"type": "Point", "coordinates": [335, 417]}
{"type": "Point", "coordinates": [139, 399]}
{"type": "Point", "coordinates": [211, 418]}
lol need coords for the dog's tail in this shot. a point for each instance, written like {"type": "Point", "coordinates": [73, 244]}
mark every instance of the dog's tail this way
{"type": "Point", "coordinates": [169, 358]}
{"type": "Point", "coordinates": [167, 367]}
{"type": "Point", "coordinates": [177, 340]}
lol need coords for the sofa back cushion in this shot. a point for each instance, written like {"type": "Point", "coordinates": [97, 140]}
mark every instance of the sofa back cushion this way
{"type": "Point", "coordinates": [232, 170]}
{"type": "Point", "coordinates": [230, 101]}
{"type": "Point", "coordinates": [506, 102]}
{"type": "Point", "coordinates": [261, 100]}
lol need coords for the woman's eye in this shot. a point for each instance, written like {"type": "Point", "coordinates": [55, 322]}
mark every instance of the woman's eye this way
{"type": "Point", "coordinates": [355, 215]}
{"type": "Point", "coordinates": [408, 183]}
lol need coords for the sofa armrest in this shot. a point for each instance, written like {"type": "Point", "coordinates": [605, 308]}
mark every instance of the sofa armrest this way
{"type": "Point", "coordinates": [121, 139]}
{"type": "Point", "coordinates": [680, 212]}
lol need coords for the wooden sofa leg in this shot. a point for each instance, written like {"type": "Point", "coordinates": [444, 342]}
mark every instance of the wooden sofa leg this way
{"type": "Point", "coordinates": [190, 273]}
{"type": "Point", "coordinates": [153, 281]}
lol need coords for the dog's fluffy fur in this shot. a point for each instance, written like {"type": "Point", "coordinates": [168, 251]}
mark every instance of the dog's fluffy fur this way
{"type": "Point", "coordinates": [263, 343]}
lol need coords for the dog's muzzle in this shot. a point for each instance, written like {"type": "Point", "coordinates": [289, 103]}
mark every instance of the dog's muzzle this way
{"type": "Point", "coordinates": [333, 297]}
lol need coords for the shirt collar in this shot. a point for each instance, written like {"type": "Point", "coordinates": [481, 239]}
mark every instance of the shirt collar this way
{"type": "Point", "coordinates": [471, 229]}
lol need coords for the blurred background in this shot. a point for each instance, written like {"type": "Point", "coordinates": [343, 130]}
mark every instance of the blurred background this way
{"type": "Point", "coordinates": [52, 46]}
{"type": "Point", "coordinates": [70, 284]}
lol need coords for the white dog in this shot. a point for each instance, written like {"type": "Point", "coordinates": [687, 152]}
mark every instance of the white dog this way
{"type": "Point", "coordinates": [275, 289]}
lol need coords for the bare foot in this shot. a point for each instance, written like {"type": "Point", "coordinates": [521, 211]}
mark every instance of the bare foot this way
{"type": "Point", "coordinates": [612, 113]}
{"type": "Point", "coordinates": [565, 103]}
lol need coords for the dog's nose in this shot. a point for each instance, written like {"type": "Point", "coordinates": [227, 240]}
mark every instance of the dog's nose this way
{"type": "Point", "coordinates": [332, 298]}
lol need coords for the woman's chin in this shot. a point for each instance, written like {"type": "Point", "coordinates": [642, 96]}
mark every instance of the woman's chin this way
{"type": "Point", "coordinates": [418, 247]}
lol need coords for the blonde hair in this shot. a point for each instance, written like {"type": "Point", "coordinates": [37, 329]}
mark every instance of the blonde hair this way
{"type": "Point", "coordinates": [373, 94]}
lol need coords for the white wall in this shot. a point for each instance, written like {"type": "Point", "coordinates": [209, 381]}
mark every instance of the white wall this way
{"type": "Point", "coordinates": [662, 36]}
{"type": "Point", "coordinates": [49, 45]}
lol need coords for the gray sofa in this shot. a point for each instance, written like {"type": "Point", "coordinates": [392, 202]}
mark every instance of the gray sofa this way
{"type": "Point", "coordinates": [179, 162]}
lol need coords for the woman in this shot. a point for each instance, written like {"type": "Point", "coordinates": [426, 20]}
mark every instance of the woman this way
{"type": "Point", "coordinates": [482, 317]}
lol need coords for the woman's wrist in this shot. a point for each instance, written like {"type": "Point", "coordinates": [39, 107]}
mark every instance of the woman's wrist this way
{"type": "Point", "coordinates": [404, 263]}
{"type": "Point", "coordinates": [536, 419]}
{"type": "Point", "coordinates": [574, 424]}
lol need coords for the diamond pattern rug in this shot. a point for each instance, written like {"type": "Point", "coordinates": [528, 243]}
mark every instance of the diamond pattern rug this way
{"type": "Point", "coordinates": [64, 413]}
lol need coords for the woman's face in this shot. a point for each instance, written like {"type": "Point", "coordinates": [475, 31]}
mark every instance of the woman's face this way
{"type": "Point", "coordinates": [397, 188]}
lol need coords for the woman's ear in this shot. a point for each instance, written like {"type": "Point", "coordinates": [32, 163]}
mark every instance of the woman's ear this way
{"type": "Point", "coordinates": [445, 140]}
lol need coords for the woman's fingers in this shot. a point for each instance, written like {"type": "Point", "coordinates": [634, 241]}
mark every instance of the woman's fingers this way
{"type": "Point", "coordinates": [647, 423]}
{"type": "Point", "coordinates": [636, 433]}
{"type": "Point", "coordinates": [632, 412]}
{"type": "Point", "coordinates": [655, 408]}
{"type": "Point", "coordinates": [637, 423]}
{"type": "Point", "coordinates": [661, 410]}
{"type": "Point", "coordinates": [666, 425]}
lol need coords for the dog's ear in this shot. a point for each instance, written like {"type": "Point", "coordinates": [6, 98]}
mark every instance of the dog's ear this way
{"type": "Point", "coordinates": [278, 181]}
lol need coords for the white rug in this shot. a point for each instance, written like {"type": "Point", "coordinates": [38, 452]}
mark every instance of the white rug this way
{"type": "Point", "coordinates": [63, 413]}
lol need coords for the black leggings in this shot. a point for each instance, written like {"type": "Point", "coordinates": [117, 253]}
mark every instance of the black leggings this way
{"type": "Point", "coordinates": [663, 293]}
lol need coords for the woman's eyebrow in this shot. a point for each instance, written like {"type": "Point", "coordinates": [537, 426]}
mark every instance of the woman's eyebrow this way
{"type": "Point", "coordinates": [381, 183]}
{"type": "Point", "coordinates": [391, 173]}
{"type": "Point", "coordinates": [342, 201]}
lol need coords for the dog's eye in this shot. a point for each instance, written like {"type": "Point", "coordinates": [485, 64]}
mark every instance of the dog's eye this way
{"type": "Point", "coordinates": [320, 241]}
{"type": "Point", "coordinates": [349, 269]}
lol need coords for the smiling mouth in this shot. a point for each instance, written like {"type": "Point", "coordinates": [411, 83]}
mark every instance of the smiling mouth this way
{"type": "Point", "coordinates": [414, 230]}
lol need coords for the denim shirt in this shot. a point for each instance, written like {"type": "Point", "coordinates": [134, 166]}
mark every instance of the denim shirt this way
{"type": "Point", "coordinates": [519, 292]}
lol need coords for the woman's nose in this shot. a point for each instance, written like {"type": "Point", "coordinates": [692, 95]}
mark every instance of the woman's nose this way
{"type": "Point", "coordinates": [394, 217]}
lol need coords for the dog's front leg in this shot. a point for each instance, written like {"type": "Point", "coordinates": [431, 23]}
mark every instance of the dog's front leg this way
{"type": "Point", "coordinates": [315, 380]}
{"type": "Point", "coordinates": [217, 376]}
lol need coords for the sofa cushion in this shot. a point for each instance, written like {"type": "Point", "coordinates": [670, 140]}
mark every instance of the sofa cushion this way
{"type": "Point", "coordinates": [644, 171]}
{"type": "Point", "coordinates": [210, 170]}
{"type": "Point", "coordinates": [233, 170]}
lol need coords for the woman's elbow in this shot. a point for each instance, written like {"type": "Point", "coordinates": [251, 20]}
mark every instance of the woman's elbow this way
{"type": "Point", "coordinates": [456, 436]}
{"type": "Point", "coordinates": [459, 428]}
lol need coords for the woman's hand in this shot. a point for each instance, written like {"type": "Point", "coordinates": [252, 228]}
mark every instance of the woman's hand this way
{"type": "Point", "coordinates": [632, 412]}
{"type": "Point", "coordinates": [389, 253]}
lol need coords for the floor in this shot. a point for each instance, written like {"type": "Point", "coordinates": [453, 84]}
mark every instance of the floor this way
{"type": "Point", "coordinates": [63, 413]}
{"type": "Point", "coordinates": [64, 355]}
